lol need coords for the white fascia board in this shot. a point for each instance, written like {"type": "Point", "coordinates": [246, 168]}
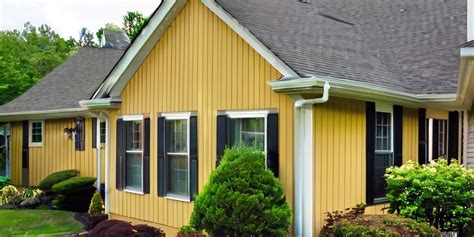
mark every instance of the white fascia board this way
{"type": "Point", "coordinates": [359, 90]}
{"type": "Point", "coordinates": [466, 52]}
{"type": "Point", "coordinates": [140, 48]}
{"type": "Point", "coordinates": [105, 103]}
{"type": "Point", "coordinates": [245, 34]}
{"type": "Point", "coordinates": [45, 114]}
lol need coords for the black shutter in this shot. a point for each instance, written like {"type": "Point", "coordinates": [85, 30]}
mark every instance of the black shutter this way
{"type": "Point", "coordinates": [453, 135]}
{"type": "Point", "coordinates": [223, 136]}
{"type": "Point", "coordinates": [370, 151]}
{"type": "Point", "coordinates": [146, 156]}
{"type": "Point", "coordinates": [193, 153]}
{"type": "Point", "coordinates": [25, 156]}
{"type": "Point", "coordinates": [272, 143]}
{"type": "Point", "coordinates": [398, 135]}
{"type": "Point", "coordinates": [119, 181]}
{"type": "Point", "coordinates": [94, 133]}
{"type": "Point", "coordinates": [422, 143]}
{"type": "Point", "coordinates": [435, 139]}
{"type": "Point", "coordinates": [161, 156]}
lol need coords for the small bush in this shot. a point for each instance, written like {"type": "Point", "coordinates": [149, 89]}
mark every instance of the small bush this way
{"type": "Point", "coordinates": [355, 223]}
{"type": "Point", "coordinates": [189, 231]}
{"type": "Point", "coordinates": [438, 193]}
{"type": "Point", "coordinates": [47, 183]}
{"type": "Point", "coordinates": [96, 204]}
{"type": "Point", "coordinates": [242, 197]}
{"type": "Point", "coordinates": [9, 194]}
{"type": "Point", "coordinates": [4, 181]}
{"type": "Point", "coordinates": [73, 184]}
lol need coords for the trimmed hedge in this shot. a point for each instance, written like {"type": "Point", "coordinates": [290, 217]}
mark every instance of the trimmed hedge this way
{"type": "Point", "coordinates": [47, 183]}
{"type": "Point", "coordinates": [4, 181]}
{"type": "Point", "coordinates": [73, 184]}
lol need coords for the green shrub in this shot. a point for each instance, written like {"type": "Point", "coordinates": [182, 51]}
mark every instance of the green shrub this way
{"type": "Point", "coordinates": [47, 183]}
{"type": "Point", "coordinates": [4, 181]}
{"type": "Point", "coordinates": [187, 229]}
{"type": "Point", "coordinates": [9, 194]}
{"type": "Point", "coordinates": [96, 205]}
{"type": "Point", "coordinates": [73, 184]}
{"type": "Point", "coordinates": [242, 197]}
{"type": "Point", "coordinates": [438, 193]}
{"type": "Point", "coordinates": [355, 223]}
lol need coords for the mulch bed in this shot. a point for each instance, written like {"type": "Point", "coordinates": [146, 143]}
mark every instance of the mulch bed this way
{"type": "Point", "coordinates": [89, 221]}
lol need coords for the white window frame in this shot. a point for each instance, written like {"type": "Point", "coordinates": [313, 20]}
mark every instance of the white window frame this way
{"type": "Point", "coordinates": [243, 114]}
{"type": "Point", "coordinates": [384, 108]}
{"type": "Point", "coordinates": [30, 133]}
{"type": "Point", "coordinates": [173, 117]}
{"type": "Point", "coordinates": [132, 118]}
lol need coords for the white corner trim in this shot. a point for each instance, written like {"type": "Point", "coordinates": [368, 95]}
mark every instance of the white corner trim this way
{"type": "Point", "coordinates": [30, 133]}
{"type": "Point", "coordinates": [140, 48]}
{"type": "Point", "coordinates": [256, 44]}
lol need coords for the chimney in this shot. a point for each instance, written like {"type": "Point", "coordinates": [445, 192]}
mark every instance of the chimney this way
{"type": "Point", "coordinates": [470, 20]}
{"type": "Point", "coordinates": [116, 39]}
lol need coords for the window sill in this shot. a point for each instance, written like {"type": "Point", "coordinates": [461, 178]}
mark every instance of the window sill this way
{"type": "Point", "coordinates": [35, 145]}
{"type": "Point", "coordinates": [382, 200]}
{"type": "Point", "coordinates": [176, 197]}
{"type": "Point", "coordinates": [139, 192]}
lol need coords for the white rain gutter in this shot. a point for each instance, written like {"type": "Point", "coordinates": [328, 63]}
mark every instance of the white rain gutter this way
{"type": "Point", "coordinates": [106, 117]}
{"type": "Point", "coordinates": [304, 173]}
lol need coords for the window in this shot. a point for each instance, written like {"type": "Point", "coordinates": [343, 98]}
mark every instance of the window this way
{"type": "Point", "coordinates": [442, 137]}
{"type": "Point", "coordinates": [102, 132]}
{"type": "Point", "coordinates": [133, 154]}
{"type": "Point", "coordinates": [383, 149]}
{"type": "Point", "coordinates": [177, 139]}
{"type": "Point", "coordinates": [36, 133]}
{"type": "Point", "coordinates": [248, 132]}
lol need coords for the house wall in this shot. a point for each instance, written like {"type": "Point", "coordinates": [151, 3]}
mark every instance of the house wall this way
{"type": "Point", "coordinates": [470, 143]}
{"type": "Point", "coordinates": [57, 153]}
{"type": "Point", "coordinates": [340, 156]}
{"type": "Point", "coordinates": [199, 65]}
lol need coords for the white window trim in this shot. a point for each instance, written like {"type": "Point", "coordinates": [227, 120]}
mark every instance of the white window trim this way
{"type": "Point", "coordinates": [30, 134]}
{"type": "Point", "coordinates": [173, 117]}
{"type": "Point", "coordinates": [130, 118]}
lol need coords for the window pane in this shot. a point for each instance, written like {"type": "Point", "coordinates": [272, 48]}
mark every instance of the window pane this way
{"type": "Point", "coordinates": [178, 136]}
{"type": "Point", "coordinates": [102, 132]}
{"type": "Point", "coordinates": [133, 170]}
{"type": "Point", "coordinates": [36, 132]}
{"type": "Point", "coordinates": [133, 131]}
{"type": "Point", "coordinates": [178, 175]}
{"type": "Point", "coordinates": [382, 162]}
{"type": "Point", "coordinates": [383, 134]}
{"type": "Point", "coordinates": [248, 132]}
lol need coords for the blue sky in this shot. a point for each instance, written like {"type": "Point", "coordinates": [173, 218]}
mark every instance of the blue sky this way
{"type": "Point", "coordinates": [67, 17]}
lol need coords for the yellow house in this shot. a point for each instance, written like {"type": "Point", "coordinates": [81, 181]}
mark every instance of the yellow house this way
{"type": "Point", "coordinates": [331, 91]}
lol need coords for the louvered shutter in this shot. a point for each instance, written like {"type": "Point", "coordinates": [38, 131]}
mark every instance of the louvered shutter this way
{"type": "Point", "coordinates": [161, 156]}
{"type": "Point", "coordinates": [94, 133]}
{"type": "Point", "coordinates": [223, 136]}
{"type": "Point", "coordinates": [272, 144]}
{"type": "Point", "coordinates": [193, 155]}
{"type": "Point", "coordinates": [398, 135]}
{"type": "Point", "coordinates": [422, 138]}
{"type": "Point", "coordinates": [120, 155]}
{"type": "Point", "coordinates": [453, 135]}
{"type": "Point", "coordinates": [370, 151]}
{"type": "Point", "coordinates": [146, 156]}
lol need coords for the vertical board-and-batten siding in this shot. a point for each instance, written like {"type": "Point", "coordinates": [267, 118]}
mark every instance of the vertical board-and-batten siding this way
{"type": "Point", "coordinates": [200, 65]}
{"type": "Point", "coordinates": [470, 143]}
{"type": "Point", "coordinates": [340, 156]}
{"type": "Point", "coordinates": [57, 153]}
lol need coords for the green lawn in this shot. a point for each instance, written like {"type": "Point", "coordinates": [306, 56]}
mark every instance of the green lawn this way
{"type": "Point", "coordinates": [37, 223]}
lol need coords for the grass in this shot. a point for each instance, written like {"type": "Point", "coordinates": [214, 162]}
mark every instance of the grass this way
{"type": "Point", "coordinates": [38, 223]}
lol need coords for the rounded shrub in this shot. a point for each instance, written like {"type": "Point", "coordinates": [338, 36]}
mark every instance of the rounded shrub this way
{"type": "Point", "coordinates": [96, 205]}
{"type": "Point", "coordinates": [47, 183]}
{"type": "Point", "coordinates": [74, 184]}
{"type": "Point", "coordinates": [242, 197]}
{"type": "Point", "coordinates": [439, 193]}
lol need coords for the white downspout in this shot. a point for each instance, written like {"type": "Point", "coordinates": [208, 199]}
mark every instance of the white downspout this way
{"type": "Point", "coordinates": [304, 173]}
{"type": "Point", "coordinates": [106, 116]}
{"type": "Point", "coordinates": [98, 149]}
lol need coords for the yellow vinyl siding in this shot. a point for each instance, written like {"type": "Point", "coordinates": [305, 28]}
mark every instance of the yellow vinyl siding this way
{"type": "Point", "coordinates": [340, 157]}
{"type": "Point", "coordinates": [199, 65]}
{"type": "Point", "coordinates": [57, 152]}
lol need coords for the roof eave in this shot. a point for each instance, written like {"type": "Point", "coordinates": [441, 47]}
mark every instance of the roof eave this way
{"type": "Point", "coordinates": [362, 91]}
{"type": "Point", "coordinates": [45, 114]}
{"type": "Point", "coordinates": [101, 104]}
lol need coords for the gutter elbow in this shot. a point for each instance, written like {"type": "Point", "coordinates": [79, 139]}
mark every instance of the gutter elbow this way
{"type": "Point", "coordinates": [323, 99]}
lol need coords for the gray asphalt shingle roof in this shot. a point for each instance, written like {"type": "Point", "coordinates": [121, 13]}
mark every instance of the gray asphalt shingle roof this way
{"type": "Point", "coordinates": [76, 79]}
{"type": "Point", "coordinates": [405, 45]}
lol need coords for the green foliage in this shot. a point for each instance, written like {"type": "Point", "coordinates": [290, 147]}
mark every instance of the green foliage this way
{"type": "Point", "coordinates": [74, 183]}
{"type": "Point", "coordinates": [438, 193]}
{"type": "Point", "coordinates": [242, 197]}
{"type": "Point", "coordinates": [187, 229]}
{"type": "Point", "coordinates": [355, 223]}
{"type": "Point", "coordinates": [9, 194]}
{"type": "Point", "coordinates": [96, 205]}
{"type": "Point", "coordinates": [4, 181]}
{"type": "Point", "coordinates": [133, 23]}
{"type": "Point", "coordinates": [47, 183]}
{"type": "Point", "coordinates": [27, 56]}
{"type": "Point", "coordinates": [27, 193]}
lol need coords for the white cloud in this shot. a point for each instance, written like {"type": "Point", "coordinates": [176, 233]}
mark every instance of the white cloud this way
{"type": "Point", "coordinates": [67, 17]}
